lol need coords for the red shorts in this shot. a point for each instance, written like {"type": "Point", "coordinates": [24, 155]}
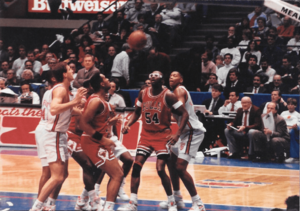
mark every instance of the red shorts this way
{"type": "Point", "coordinates": [74, 143]}
{"type": "Point", "coordinates": [97, 154]}
{"type": "Point", "coordinates": [154, 141]}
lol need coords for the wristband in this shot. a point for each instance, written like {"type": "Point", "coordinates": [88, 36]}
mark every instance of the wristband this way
{"type": "Point", "coordinates": [97, 135]}
{"type": "Point", "coordinates": [177, 105]}
{"type": "Point", "coordinates": [138, 103]}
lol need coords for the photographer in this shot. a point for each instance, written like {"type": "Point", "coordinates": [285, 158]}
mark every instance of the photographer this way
{"type": "Point", "coordinates": [28, 95]}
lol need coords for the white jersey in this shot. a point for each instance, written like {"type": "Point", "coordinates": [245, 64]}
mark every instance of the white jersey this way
{"type": "Point", "coordinates": [59, 122]}
{"type": "Point", "coordinates": [45, 108]}
{"type": "Point", "coordinates": [193, 123]}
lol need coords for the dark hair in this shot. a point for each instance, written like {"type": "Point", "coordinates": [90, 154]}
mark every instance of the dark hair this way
{"type": "Point", "coordinates": [242, 20]}
{"type": "Point", "coordinates": [286, 56]}
{"type": "Point", "coordinates": [28, 61]}
{"type": "Point", "coordinates": [87, 25]}
{"type": "Point", "coordinates": [252, 56]}
{"type": "Point", "coordinates": [218, 87]}
{"type": "Point", "coordinates": [22, 46]}
{"type": "Point", "coordinates": [87, 38]}
{"type": "Point", "coordinates": [25, 82]}
{"type": "Point", "coordinates": [292, 202]}
{"type": "Point", "coordinates": [72, 62]}
{"type": "Point", "coordinates": [58, 70]}
{"type": "Point", "coordinates": [297, 30]}
{"type": "Point", "coordinates": [229, 55]}
{"type": "Point", "coordinates": [233, 70]}
{"type": "Point", "coordinates": [258, 75]}
{"type": "Point", "coordinates": [210, 36]}
{"type": "Point", "coordinates": [272, 35]}
{"type": "Point", "coordinates": [116, 81]}
{"type": "Point", "coordinates": [235, 91]}
{"type": "Point", "coordinates": [264, 59]}
{"type": "Point", "coordinates": [30, 52]}
{"type": "Point", "coordinates": [209, 55]}
{"type": "Point", "coordinates": [250, 42]}
{"type": "Point", "coordinates": [276, 90]}
{"type": "Point", "coordinates": [213, 74]}
{"type": "Point", "coordinates": [140, 16]}
{"type": "Point", "coordinates": [95, 82]}
{"type": "Point", "coordinates": [4, 61]}
{"type": "Point", "coordinates": [99, 13]}
{"type": "Point", "coordinates": [261, 18]}
{"type": "Point", "coordinates": [292, 101]}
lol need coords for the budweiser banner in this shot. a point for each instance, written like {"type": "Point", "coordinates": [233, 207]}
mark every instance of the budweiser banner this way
{"type": "Point", "coordinates": [284, 8]}
{"type": "Point", "coordinates": [80, 6]}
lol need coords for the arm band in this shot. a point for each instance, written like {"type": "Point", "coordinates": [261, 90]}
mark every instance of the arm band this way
{"type": "Point", "coordinates": [97, 135]}
{"type": "Point", "coordinates": [177, 105]}
{"type": "Point", "coordinates": [138, 103]}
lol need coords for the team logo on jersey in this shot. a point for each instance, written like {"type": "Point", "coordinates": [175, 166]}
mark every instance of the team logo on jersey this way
{"type": "Point", "coordinates": [102, 153]}
{"type": "Point", "coordinates": [210, 183]}
{"type": "Point", "coordinates": [182, 145]}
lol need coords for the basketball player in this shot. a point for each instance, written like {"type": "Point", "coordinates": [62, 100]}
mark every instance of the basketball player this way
{"type": "Point", "coordinates": [94, 140]}
{"type": "Point", "coordinates": [55, 139]}
{"type": "Point", "coordinates": [186, 147]}
{"type": "Point", "coordinates": [155, 104]}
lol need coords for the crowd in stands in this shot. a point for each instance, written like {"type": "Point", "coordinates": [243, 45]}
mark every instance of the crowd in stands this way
{"type": "Point", "coordinates": [260, 54]}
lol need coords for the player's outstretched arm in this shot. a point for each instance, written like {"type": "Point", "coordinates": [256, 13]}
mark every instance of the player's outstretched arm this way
{"type": "Point", "coordinates": [58, 106]}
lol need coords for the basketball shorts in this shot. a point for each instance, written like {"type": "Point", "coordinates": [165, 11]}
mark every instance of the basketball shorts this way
{"type": "Point", "coordinates": [119, 148]}
{"type": "Point", "coordinates": [56, 146]}
{"type": "Point", "coordinates": [188, 144]}
{"type": "Point", "coordinates": [154, 141]}
{"type": "Point", "coordinates": [97, 154]}
{"type": "Point", "coordinates": [39, 139]}
{"type": "Point", "coordinates": [74, 143]}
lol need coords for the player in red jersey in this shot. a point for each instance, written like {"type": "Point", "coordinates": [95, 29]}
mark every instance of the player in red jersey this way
{"type": "Point", "coordinates": [155, 104]}
{"type": "Point", "coordinates": [95, 140]}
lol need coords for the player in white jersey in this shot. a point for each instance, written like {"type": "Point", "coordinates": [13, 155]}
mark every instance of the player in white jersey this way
{"type": "Point", "coordinates": [186, 147]}
{"type": "Point", "coordinates": [55, 139]}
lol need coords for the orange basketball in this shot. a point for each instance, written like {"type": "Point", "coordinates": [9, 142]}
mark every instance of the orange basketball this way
{"type": "Point", "coordinates": [137, 40]}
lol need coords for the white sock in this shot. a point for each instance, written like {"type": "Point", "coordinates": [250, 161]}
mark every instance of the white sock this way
{"type": "Point", "coordinates": [97, 188]}
{"type": "Point", "coordinates": [84, 194]}
{"type": "Point", "coordinates": [133, 197]}
{"type": "Point", "coordinates": [37, 205]}
{"type": "Point", "coordinates": [92, 195]}
{"type": "Point", "coordinates": [171, 198]}
{"type": "Point", "coordinates": [109, 205]}
{"type": "Point", "coordinates": [50, 201]}
{"type": "Point", "coordinates": [177, 192]}
{"type": "Point", "coordinates": [196, 198]}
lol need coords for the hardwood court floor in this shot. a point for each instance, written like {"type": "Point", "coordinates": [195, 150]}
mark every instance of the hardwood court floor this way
{"type": "Point", "coordinates": [218, 181]}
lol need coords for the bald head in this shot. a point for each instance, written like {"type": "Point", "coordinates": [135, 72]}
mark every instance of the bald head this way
{"type": "Point", "coordinates": [246, 103]}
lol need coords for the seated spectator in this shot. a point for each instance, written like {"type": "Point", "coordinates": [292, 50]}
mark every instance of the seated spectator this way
{"type": "Point", "coordinates": [11, 78]}
{"type": "Point", "coordinates": [223, 42]}
{"type": "Point", "coordinates": [275, 19]}
{"type": "Point", "coordinates": [27, 75]}
{"type": "Point", "coordinates": [247, 71]}
{"type": "Point", "coordinates": [115, 99]}
{"type": "Point", "coordinates": [278, 85]}
{"type": "Point", "coordinates": [288, 72]}
{"type": "Point", "coordinates": [2, 83]}
{"type": "Point", "coordinates": [236, 55]}
{"type": "Point", "coordinates": [148, 45]}
{"type": "Point", "coordinates": [148, 83]}
{"type": "Point", "coordinates": [220, 62]}
{"type": "Point", "coordinates": [3, 55]}
{"type": "Point", "coordinates": [275, 98]}
{"type": "Point", "coordinates": [210, 47]}
{"type": "Point", "coordinates": [150, 15]}
{"type": "Point", "coordinates": [124, 94]}
{"type": "Point", "coordinates": [86, 31]}
{"type": "Point", "coordinates": [7, 95]}
{"type": "Point", "coordinates": [272, 53]}
{"type": "Point", "coordinates": [252, 48]}
{"type": "Point", "coordinates": [296, 89]}
{"type": "Point", "coordinates": [84, 42]}
{"type": "Point", "coordinates": [187, 11]}
{"type": "Point", "coordinates": [159, 35]}
{"type": "Point", "coordinates": [233, 82]}
{"type": "Point", "coordinates": [261, 30]}
{"type": "Point", "coordinates": [278, 40]}
{"type": "Point", "coordinates": [68, 46]}
{"type": "Point", "coordinates": [171, 16]}
{"type": "Point", "coordinates": [4, 69]}
{"type": "Point", "coordinates": [243, 25]}
{"type": "Point", "coordinates": [51, 63]}
{"type": "Point", "coordinates": [214, 129]}
{"type": "Point", "coordinates": [18, 63]}
{"type": "Point", "coordinates": [46, 66]}
{"type": "Point", "coordinates": [36, 65]}
{"type": "Point", "coordinates": [253, 16]}
{"type": "Point", "coordinates": [231, 104]}
{"type": "Point", "coordinates": [256, 88]}
{"type": "Point", "coordinates": [208, 67]}
{"type": "Point", "coordinates": [246, 36]}
{"type": "Point", "coordinates": [119, 23]}
{"type": "Point", "coordinates": [73, 57]}
{"type": "Point", "coordinates": [267, 143]}
{"type": "Point", "coordinates": [141, 20]}
{"type": "Point", "coordinates": [292, 119]}
{"type": "Point", "coordinates": [223, 71]}
{"type": "Point", "coordinates": [286, 31]}
{"type": "Point", "coordinates": [213, 79]}
{"type": "Point", "coordinates": [11, 56]}
{"type": "Point", "coordinates": [42, 56]}
{"type": "Point", "coordinates": [266, 72]}
{"type": "Point", "coordinates": [133, 13]}
{"type": "Point", "coordinates": [27, 94]}
{"type": "Point", "coordinates": [247, 121]}
{"type": "Point", "coordinates": [294, 43]}
{"type": "Point", "coordinates": [87, 70]}
{"type": "Point", "coordinates": [97, 26]}
{"type": "Point", "coordinates": [108, 62]}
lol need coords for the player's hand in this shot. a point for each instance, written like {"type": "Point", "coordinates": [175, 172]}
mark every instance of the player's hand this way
{"type": "Point", "coordinates": [114, 120]}
{"type": "Point", "coordinates": [125, 129]}
{"type": "Point", "coordinates": [107, 143]}
{"type": "Point", "coordinates": [173, 138]}
{"type": "Point", "coordinates": [241, 128]}
{"type": "Point", "coordinates": [81, 92]}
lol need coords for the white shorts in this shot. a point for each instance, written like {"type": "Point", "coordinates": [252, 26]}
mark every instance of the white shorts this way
{"type": "Point", "coordinates": [188, 144]}
{"type": "Point", "coordinates": [56, 146]}
{"type": "Point", "coordinates": [39, 139]}
{"type": "Point", "coordinates": [119, 149]}
{"type": "Point", "coordinates": [44, 162]}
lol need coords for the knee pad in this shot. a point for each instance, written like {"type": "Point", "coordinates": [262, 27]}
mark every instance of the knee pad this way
{"type": "Point", "coordinates": [136, 170]}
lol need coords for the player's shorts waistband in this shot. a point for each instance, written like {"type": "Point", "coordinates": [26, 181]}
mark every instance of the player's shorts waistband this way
{"type": "Point", "coordinates": [157, 131]}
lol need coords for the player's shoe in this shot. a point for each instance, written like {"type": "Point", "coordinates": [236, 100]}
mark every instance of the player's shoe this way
{"type": "Point", "coordinates": [35, 209]}
{"type": "Point", "coordinates": [82, 204]}
{"type": "Point", "coordinates": [49, 208]}
{"type": "Point", "coordinates": [123, 196]}
{"type": "Point", "coordinates": [96, 204]}
{"type": "Point", "coordinates": [131, 206]}
{"type": "Point", "coordinates": [198, 206]}
{"type": "Point", "coordinates": [179, 202]}
{"type": "Point", "coordinates": [172, 206]}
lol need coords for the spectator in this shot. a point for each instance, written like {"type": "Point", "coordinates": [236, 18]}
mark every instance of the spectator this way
{"type": "Point", "coordinates": [256, 88]}
{"type": "Point", "coordinates": [252, 48]}
{"type": "Point", "coordinates": [294, 43]}
{"type": "Point", "coordinates": [84, 42]}
{"type": "Point", "coordinates": [253, 17]}
{"type": "Point", "coordinates": [296, 89]}
{"type": "Point", "coordinates": [286, 31]}
{"type": "Point", "coordinates": [42, 56]}
{"type": "Point", "coordinates": [148, 45]}
{"type": "Point", "coordinates": [278, 40]}
{"type": "Point", "coordinates": [158, 32]}
{"type": "Point", "coordinates": [247, 121]}
{"type": "Point", "coordinates": [51, 63]}
{"type": "Point", "coordinates": [210, 47]}
{"type": "Point", "coordinates": [292, 119]}
{"type": "Point", "coordinates": [27, 75]}
{"type": "Point", "coordinates": [18, 63]}
{"type": "Point", "coordinates": [2, 83]}
{"type": "Point", "coordinates": [11, 55]}
{"type": "Point", "coordinates": [261, 29]}
{"type": "Point", "coordinates": [247, 72]}
{"type": "Point", "coordinates": [208, 67]}
{"type": "Point", "coordinates": [104, 48]}
{"type": "Point", "coordinates": [278, 85]}
{"type": "Point", "coordinates": [272, 53]}
{"type": "Point", "coordinates": [36, 51]}
{"type": "Point", "coordinates": [73, 57]}
{"type": "Point", "coordinates": [122, 93]}
{"type": "Point", "coordinates": [220, 62]}
{"type": "Point", "coordinates": [120, 68]}
{"type": "Point", "coordinates": [4, 69]}
{"type": "Point", "coordinates": [232, 104]}
{"type": "Point", "coordinates": [150, 15]}
{"type": "Point", "coordinates": [87, 70]}
{"type": "Point", "coordinates": [267, 142]}
{"type": "Point", "coordinates": [236, 55]}
{"type": "Point", "coordinates": [3, 53]}
{"type": "Point", "coordinates": [37, 66]}
{"type": "Point", "coordinates": [233, 82]}
{"type": "Point", "coordinates": [141, 20]}
{"type": "Point", "coordinates": [172, 18]}
{"type": "Point", "coordinates": [148, 83]}
{"type": "Point", "coordinates": [266, 72]}
{"type": "Point", "coordinates": [133, 13]}
{"type": "Point", "coordinates": [223, 71]}
{"type": "Point", "coordinates": [275, 98]}
{"type": "Point", "coordinates": [86, 31]}
{"type": "Point", "coordinates": [119, 23]}
{"type": "Point", "coordinates": [187, 10]}
{"type": "Point", "coordinates": [213, 79]}
{"type": "Point", "coordinates": [288, 72]}
{"type": "Point", "coordinates": [108, 62]}
{"type": "Point", "coordinates": [27, 94]}
{"type": "Point", "coordinates": [11, 78]}
{"type": "Point", "coordinates": [115, 99]}
{"type": "Point", "coordinates": [246, 36]}
{"type": "Point", "coordinates": [244, 24]}
{"type": "Point", "coordinates": [97, 26]}
{"type": "Point", "coordinates": [48, 57]}
{"type": "Point", "coordinates": [223, 42]}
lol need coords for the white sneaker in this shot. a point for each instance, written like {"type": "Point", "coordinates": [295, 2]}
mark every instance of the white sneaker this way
{"type": "Point", "coordinates": [198, 207]}
{"type": "Point", "coordinates": [49, 208]}
{"type": "Point", "coordinates": [123, 196]}
{"type": "Point", "coordinates": [172, 206]}
{"type": "Point", "coordinates": [96, 205]}
{"type": "Point", "coordinates": [292, 160]}
{"type": "Point", "coordinates": [179, 202]}
{"type": "Point", "coordinates": [82, 203]}
{"type": "Point", "coordinates": [131, 206]}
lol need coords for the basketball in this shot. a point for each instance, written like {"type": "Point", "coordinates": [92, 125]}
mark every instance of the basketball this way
{"type": "Point", "coordinates": [137, 40]}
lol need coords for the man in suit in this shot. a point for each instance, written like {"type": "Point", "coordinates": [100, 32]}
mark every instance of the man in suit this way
{"type": "Point", "coordinates": [278, 138]}
{"type": "Point", "coordinates": [119, 23]}
{"type": "Point", "coordinates": [158, 32]}
{"type": "Point", "coordinates": [256, 88]}
{"type": "Point", "coordinates": [233, 82]}
{"type": "Point", "coordinates": [278, 85]}
{"type": "Point", "coordinates": [247, 120]}
{"type": "Point", "coordinates": [213, 79]}
{"type": "Point", "coordinates": [97, 26]}
{"type": "Point", "coordinates": [214, 128]}
{"type": "Point", "coordinates": [296, 89]}
{"type": "Point", "coordinates": [150, 15]}
{"type": "Point", "coordinates": [88, 70]}
{"type": "Point", "coordinates": [275, 98]}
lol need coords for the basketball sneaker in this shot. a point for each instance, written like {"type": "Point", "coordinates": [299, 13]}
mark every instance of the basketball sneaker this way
{"type": "Point", "coordinates": [131, 206]}
{"type": "Point", "coordinates": [82, 203]}
{"type": "Point", "coordinates": [198, 206]}
{"type": "Point", "coordinates": [96, 204]}
{"type": "Point", "coordinates": [179, 202]}
{"type": "Point", "coordinates": [123, 196]}
{"type": "Point", "coordinates": [49, 208]}
{"type": "Point", "coordinates": [172, 206]}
